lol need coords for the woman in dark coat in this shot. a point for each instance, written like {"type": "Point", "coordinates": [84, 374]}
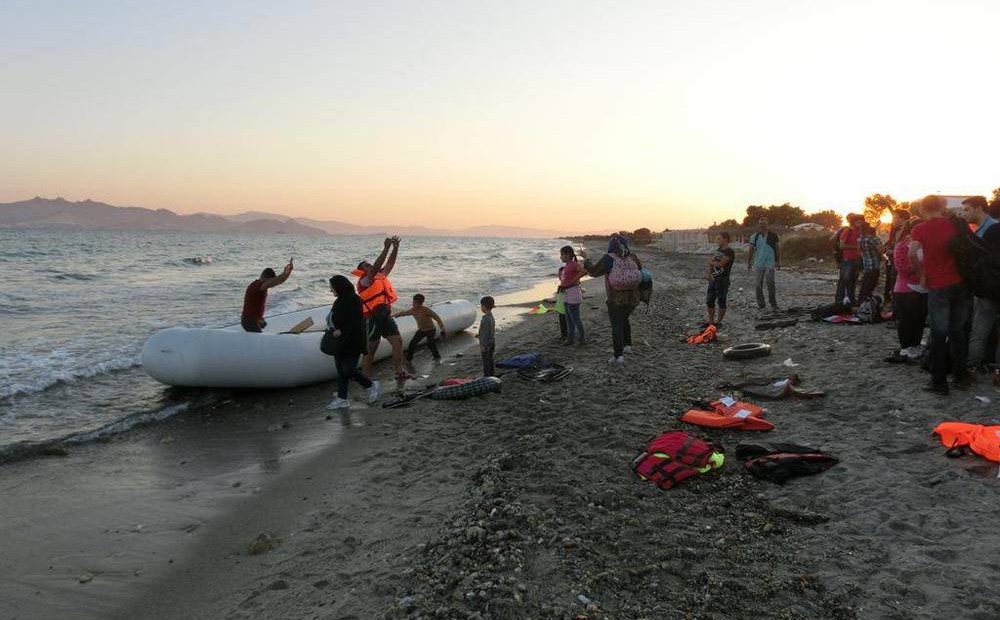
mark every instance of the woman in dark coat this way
{"type": "Point", "coordinates": [348, 325]}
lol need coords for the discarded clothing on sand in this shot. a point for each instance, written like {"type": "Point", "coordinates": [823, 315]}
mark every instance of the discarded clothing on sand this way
{"type": "Point", "coordinates": [771, 388]}
{"type": "Point", "coordinates": [676, 456]}
{"type": "Point", "coordinates": [958, 436]}
{"type": "Point", "coordinates": [727, 412]}
{"type": "Point", "coordinates": [524, 360]}
{"type": "Point", "coordinates": [827, 310]}
{"type": "Point", "coordinates": [849, 319]}
{"type": "Point", "coordinates": [780, 462]}
{"type": "Point", "coordinates": [476, 387]}
{"type": "Point", "coordinates": [449, 389]}
{"type": "Point", "coordinates": [545, 374]}
{"type": "Point", "coordinates": [708, 334]}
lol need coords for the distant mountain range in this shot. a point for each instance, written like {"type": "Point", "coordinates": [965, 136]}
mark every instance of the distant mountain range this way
{"type": "Point", "coordinates": [61, 213]}
{"type": "Point", "coordinates": [335, 227]}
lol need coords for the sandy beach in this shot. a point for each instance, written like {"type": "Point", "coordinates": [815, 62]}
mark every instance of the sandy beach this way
{"type": "Point", "coordinates": [522, 504]}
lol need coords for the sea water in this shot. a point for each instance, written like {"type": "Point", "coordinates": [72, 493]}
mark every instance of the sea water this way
{"type": "Point", "coordinates": [76, 307]}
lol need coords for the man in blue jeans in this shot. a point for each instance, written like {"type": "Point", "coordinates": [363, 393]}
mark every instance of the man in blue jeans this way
{"type": "Point", "coordinates": [847, 242]}
{"type": "Point", "coordinates": [764, 259]}
{"type": "Point", "coordinates": [948, 301]}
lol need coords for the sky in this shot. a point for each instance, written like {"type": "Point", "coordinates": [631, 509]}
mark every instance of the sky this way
{"type": "Point", "coordinates": [569, 115]}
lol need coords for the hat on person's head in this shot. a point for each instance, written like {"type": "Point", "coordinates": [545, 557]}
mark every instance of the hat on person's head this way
{"type": "Point", "coordinates": [854, 216]}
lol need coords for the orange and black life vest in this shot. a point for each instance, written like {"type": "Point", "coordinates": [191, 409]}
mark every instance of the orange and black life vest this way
{"type": "Point", "coordinates": [378, 293]}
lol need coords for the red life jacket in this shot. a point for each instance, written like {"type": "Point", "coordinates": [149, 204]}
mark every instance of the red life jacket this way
{"type": "Point", "coordinates": [672, 458]}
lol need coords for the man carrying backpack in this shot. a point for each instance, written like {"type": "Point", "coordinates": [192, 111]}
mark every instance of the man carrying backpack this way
{"type": "Point", "coordinates": [764, 259]}
{"type": "Point", "coordinates": [986, 313]}
{"type": "Point", "coordinates": [948, 299]}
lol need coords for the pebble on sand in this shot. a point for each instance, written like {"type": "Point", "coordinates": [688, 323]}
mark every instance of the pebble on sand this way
{"type": "Point", "coordinates": [264, 543]}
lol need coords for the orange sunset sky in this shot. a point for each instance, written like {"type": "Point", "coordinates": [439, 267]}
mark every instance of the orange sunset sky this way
{"type": "Point", "coordinates": [575, 114]}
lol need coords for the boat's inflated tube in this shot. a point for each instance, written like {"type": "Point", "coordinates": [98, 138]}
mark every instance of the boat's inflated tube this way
{"type": "Point", "coordinates": [233, 358]}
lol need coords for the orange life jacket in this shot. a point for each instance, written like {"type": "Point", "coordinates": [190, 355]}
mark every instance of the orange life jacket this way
{"type": "Point", "coordinates": [983, 440]}
{"type": "Point", "coordinates": [741, 416]}
{"type": "Point", "coordinates": [378, 293]}
{"type": "Point", "coordinates": [704, 336]}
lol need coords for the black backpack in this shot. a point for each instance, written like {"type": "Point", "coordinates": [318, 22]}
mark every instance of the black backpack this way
{"type": "Point", "coordinates": [978, 263]}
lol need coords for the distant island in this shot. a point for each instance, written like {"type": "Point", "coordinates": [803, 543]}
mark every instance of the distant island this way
{"type": "Point", "coordinates": [88, 214]}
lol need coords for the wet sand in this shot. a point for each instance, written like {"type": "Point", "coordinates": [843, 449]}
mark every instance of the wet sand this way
{"type": "Point", "coordinates": [522, 504]}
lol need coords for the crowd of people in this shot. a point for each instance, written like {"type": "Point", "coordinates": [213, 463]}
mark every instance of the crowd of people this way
{"type": "Point", "coordinates": [937, 265]}
{"type": "Point", "coordinates": [361, 315]}
{"type": "Point", "coordinates": [928, 261]}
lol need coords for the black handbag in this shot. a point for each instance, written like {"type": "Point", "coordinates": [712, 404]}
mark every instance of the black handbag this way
{"type": "Point", "coordinates": [330, 344]}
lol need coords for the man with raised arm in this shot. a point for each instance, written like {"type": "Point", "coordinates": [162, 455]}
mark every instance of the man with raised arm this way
{"type": "Point", "coordinates": [255, 298]}
{"type": "Point", "coordinates": [377, 297]}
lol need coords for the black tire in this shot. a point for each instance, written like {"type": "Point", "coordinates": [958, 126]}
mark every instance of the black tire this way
{"type": "Point", "coordinates": [747, 351]}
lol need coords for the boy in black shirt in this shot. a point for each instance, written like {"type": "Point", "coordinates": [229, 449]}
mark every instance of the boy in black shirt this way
{"type": "Point", "coordinates": [717, 273]}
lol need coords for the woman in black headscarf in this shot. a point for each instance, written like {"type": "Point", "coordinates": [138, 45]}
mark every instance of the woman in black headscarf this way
{"type": "Point", "coordinates": [348, 325]}
{"type": "Point", "coordinates": [622, 273]}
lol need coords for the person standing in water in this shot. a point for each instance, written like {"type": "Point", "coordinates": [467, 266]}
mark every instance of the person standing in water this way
{"type": "Point", "coordinates": [377, 297]}
{"type": "Point", "coordinates": [348, 325]}
{"type": "Point", "coordinates": [764, 259]}
{"type": "Point", "coordinates": [255, 298]}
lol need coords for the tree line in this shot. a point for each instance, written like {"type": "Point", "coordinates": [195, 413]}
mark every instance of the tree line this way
{"type": "Point", "coordinates": [789, 215]}
{"type": "Point", "coordinates": [877, 204]}
{"type": "Point", "coordinates": [783, 215]}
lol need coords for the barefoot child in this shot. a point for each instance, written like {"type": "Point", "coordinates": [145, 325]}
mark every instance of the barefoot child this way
{"type": "Point", "coordinates": [717, 274]}
{"type": "Point", "coordinates": [425, 327]}
{"type": "Point", "coordinates": [487, 335]}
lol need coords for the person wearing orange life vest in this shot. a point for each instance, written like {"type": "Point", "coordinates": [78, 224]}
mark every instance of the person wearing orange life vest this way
{"type": "Point", "coordinates": [377, 297]}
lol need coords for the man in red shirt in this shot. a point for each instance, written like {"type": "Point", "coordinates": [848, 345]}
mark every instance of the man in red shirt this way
{"type": "Point", "coordinates": [846, 240]}
{"type": "Point", "coordinates": [255, 298]}
{"type": "Point", "coordinates": [948, 299]}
